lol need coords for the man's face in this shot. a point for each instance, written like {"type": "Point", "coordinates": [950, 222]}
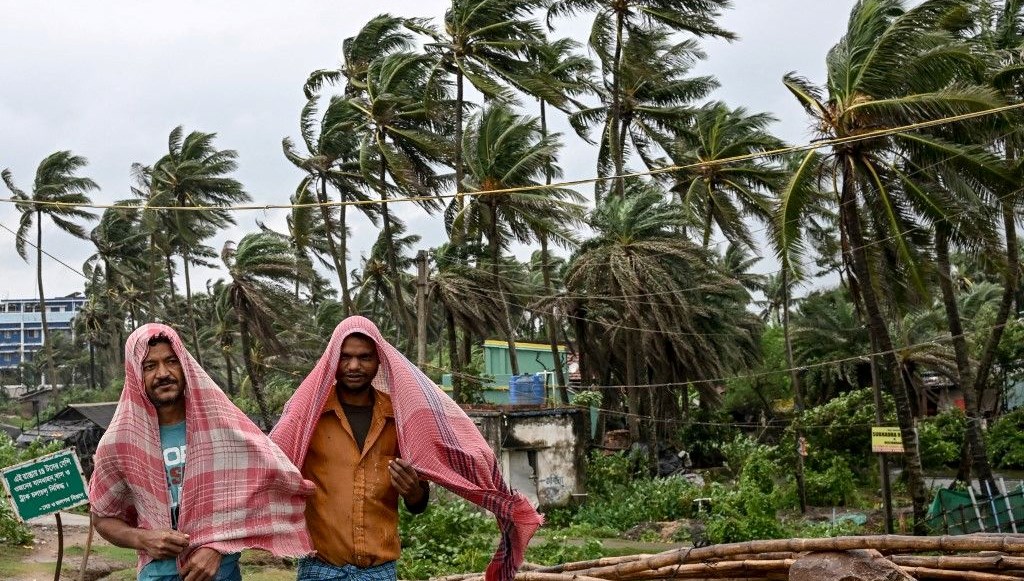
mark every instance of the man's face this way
{"type": "Point", "coordinates": [358, 363]}
{"type": "Point", "coordinates": [163, 376]}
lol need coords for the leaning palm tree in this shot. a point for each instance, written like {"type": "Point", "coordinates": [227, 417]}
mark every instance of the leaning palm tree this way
{"type": "Point", "coordinates": [330, 161]}
{"type": "Point", "coordinates": [489, 43]}
{"type": "Point", "coordinates": [652, 107]}
{"type": "Point", "coordinates": [503, 150]}
{"type": "Point", "coordinates": [617, 23]}
{"type": "Point", "coordinates": [716, 190]}
{"type": "Point", "coordinates": [57, 193]}
{"type": "Point", "coordinates": [400, 121]}
{"type": "Point", "coordinates": [195, 173]}
{"type": "Point", "coordinates": [260, 270]}
{"type": "Point", "coordinates": [382, 35]}
{"type": "Point", "coordinates": [893, 67]}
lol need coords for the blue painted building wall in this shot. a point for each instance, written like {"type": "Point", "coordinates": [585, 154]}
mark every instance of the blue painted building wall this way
{"type": "Point", "coordinates": [21, 333]}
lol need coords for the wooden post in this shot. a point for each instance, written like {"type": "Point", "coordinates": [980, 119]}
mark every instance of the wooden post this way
{"type": "Point", "coordinates": [60, 547]}
{"type": "Point", "coordinates": [421, 308]}
{"type": "Point", "coordinates": [883, 460]}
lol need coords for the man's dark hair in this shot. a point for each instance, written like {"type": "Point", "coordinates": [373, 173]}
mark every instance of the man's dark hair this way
{"type": "Point", "coordinates": [160, 339]}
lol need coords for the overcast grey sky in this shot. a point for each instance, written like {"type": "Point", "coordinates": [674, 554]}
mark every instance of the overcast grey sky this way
{"type": "Point", "coordinates": [109, 80]}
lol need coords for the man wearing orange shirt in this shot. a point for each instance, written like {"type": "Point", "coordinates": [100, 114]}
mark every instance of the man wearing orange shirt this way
{"type": "Point", "coordinates": [353, 461]}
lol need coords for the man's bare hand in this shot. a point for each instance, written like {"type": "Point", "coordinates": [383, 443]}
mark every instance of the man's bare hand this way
{"type": "Point", "coordinates": [202, 565]}
{"type": "Point", "coordinates": [406, 481]}
{"type": "Point", "coordinates": [162, 544]}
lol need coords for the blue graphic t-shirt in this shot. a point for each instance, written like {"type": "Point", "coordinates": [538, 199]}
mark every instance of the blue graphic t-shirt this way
{"type": "Point", "coordinates": [172, 442]}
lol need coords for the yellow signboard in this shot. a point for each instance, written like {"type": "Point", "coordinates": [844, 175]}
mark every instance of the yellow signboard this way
{"type": "Point", "coordinates": [886, 440]}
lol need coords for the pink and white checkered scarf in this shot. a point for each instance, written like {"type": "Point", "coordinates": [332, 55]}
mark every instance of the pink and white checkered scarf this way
{"type": "Point", "coordinates": [434, 435]}
{"type": "Point", "coordinates": [240, 491]}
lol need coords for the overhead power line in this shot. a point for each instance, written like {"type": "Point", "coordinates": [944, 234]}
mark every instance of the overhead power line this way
{"type": "Point", "coordinates": [519, 189]}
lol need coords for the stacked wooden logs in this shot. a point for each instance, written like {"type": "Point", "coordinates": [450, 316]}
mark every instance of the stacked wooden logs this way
{"type": "Point", "coordinates": [977, 557]}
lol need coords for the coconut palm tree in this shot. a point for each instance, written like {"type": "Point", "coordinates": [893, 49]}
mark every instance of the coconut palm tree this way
{"type": "Point", "coordinates": [724, 194]}
{"type": "Point", "coordinates": [260, 269]}
{"type": "Point", "coordinates": [57, 192]}
{"type": "Point", "coordinates": [657, 302]}
{"type": "Point", "coordinates": [466, 296]}
{"type": "Point", "coordinates": [618, 23]}
{"type": "Point", "coordinates": [382, 35]}
{"type": "Point", "coordinates": [488, 43]}
{"type": "Point", "coordinates": [650, 108]}
{"type": "Point", "coordinates": [330, 160]}
{"type": "Point", "coordinates": [893, 67]}
{"type": "Point", "coordinates": [375, 281]}
{"type": "Point", "coordinates": [503, 150]}
{"type": "Point", "coordinates": [400, 121]}
{"type": "Point", "coordinates": [195, 173]}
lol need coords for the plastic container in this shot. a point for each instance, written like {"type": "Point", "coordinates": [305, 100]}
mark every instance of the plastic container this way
{"type": "Point", "coordinates": [526, 389]}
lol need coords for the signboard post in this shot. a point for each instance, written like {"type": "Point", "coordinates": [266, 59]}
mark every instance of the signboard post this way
{"type": "Point", "coordinates": [47, 485]}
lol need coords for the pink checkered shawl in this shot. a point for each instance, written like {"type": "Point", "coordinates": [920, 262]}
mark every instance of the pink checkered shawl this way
{"type": "Point", "coordinates": [240, 491]}
{"type": "Point", "coordinates": [434, 435]}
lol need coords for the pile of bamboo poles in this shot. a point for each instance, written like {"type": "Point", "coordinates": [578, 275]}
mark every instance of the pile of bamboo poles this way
{"type": "Point", "coordinates": [977, 557]}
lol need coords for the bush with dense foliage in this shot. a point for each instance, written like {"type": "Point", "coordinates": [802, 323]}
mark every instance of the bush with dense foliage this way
{"type": "Point", "coordinates": [747, 510]}
{"type": "Point", "coordinates": [940, 438]}
{"type": "Point", "coordinates": [842, 427]}
{"type": "Point", "coordinates": [1006, 440]}
{"type": "Point", "coordinates": [452, 536]}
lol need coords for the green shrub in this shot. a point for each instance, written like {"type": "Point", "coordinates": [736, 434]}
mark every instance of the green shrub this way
{"type": "Point", "coordinates": [557, 549]}
{"type": "Point", "coordinates": [940, 438]}
{"type": "Point", "coordinates": [608, 472]}
{"type": "Point", "coordinates": [746, 511]}
{"type": "Point", "coordinates": [450, 537]}
{"type": "Point", "coordinates": [635, 502]}
{"type": "Point", "coordinates": [842, 427]}
{"type": "Point", "coordinates": [834, 486]}
{"type": "Point", "coordinates": [1006, 440]}
{"type": "Point", "coordinates": [704, 435]}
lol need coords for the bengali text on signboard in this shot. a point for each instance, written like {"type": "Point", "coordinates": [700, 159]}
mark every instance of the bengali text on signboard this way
{"type": "Point", "coordinates": [45, 485]}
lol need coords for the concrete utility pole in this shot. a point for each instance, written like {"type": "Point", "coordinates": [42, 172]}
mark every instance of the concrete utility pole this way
{"type": "Point", "coordinates": [421, 308]}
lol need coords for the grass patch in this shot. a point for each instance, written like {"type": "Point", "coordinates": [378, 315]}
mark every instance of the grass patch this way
{"type": "Point", "coordinates": [126, 556]}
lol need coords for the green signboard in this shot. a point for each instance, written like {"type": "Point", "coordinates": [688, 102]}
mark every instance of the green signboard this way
{"type": "Point", "coordinates": [45, 485]}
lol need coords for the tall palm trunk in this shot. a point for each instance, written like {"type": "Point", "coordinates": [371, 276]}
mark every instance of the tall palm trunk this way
{"type": "Point", "coordinates": [257, 389]}
{"type": "Point", "coordinates": [709, 220]}
{"type": "Point", "coordinates": [44, 329]}
{"type": "Point", "coordinates": [615, 145]}
{"type": "Point", "coordinates": [337, 256]}
{"type": "Point", "coordinates": [460, 172]}
{"type": "Point", "coordinates": [974, 440]}
{"type": "Point", "coordinates": [453, 354]}
{"type": "Point", "coordinates": [405, 318]}
{"type": "Point", "coordinates": [551, 319]}
{"type": "Point", "coordinates": [632, 390]}
{"type": "Point", "coordinates": [191, 310]}
{"type": "Point", "coordinates": [798, 392]}
{"type": "Point", "coordinates": [1010, 284]}
{"type": "Point", "coordinates": [495, 247]}
{"type": "Point", "coordinates": [228, 365]}
{"type": "Point", "coordinates": [881, 343]}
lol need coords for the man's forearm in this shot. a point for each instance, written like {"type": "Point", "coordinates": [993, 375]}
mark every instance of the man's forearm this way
{"type": "Point", "coordinates": [117, 532]}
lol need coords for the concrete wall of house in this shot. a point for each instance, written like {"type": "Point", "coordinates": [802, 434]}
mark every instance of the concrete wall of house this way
{"type": "Point", "coordinates": [542, 452]}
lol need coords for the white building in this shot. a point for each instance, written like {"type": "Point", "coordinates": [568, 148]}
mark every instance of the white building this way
{"type": "Point", "coordinates": [21, 328]}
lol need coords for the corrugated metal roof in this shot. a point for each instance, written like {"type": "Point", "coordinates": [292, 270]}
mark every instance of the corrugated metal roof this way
{"type": "Point", "coordinates": [97, 413]}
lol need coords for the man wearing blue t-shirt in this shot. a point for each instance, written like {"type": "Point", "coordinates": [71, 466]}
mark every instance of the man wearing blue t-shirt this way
{"type": "Point", "coordinates": [164, 382]}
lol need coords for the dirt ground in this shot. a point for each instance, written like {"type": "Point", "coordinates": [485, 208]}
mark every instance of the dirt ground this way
{"type": "Point", "coordinates": [37, 562]}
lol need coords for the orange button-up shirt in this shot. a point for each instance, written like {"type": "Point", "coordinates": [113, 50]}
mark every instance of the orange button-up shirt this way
{"type": "Point", "coordinates": [352, 515]}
